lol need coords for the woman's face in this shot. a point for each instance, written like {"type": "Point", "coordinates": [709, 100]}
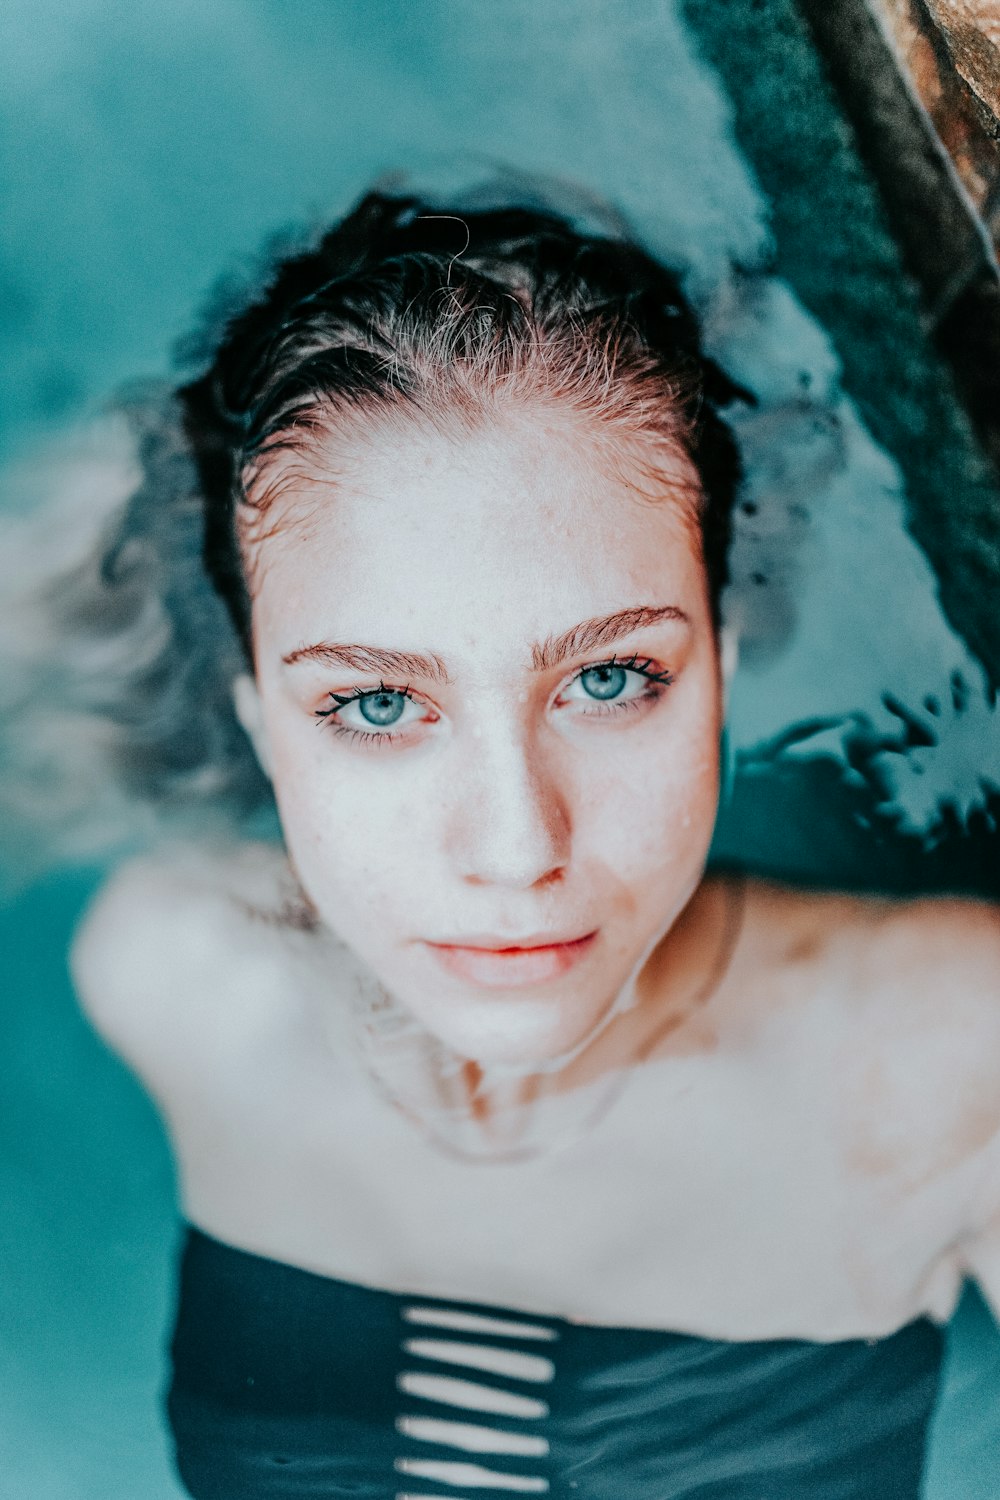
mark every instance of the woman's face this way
{"type": "Point", "coordinates": [488, 695]}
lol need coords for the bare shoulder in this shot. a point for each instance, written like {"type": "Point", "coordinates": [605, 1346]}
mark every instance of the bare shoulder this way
{"type": "Point", "coordinates": [797, 925]}
{"type": "Point", "coordinates": [892, 948]}
{"type": "Point", "coordinates": [168, 932]}
{"type": "Point", "coordinates": [936, 961]}
{"type": "Point", "coordinates": [906, 995]}
{"type": "Point", "coordinates": [800, 943]}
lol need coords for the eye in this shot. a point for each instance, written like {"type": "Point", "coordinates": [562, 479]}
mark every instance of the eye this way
{"type": "Point", "coordinates": [609, 680]}
{"type": "Point", "coordinates": [371, 714]}
{"type": "Point", "coordinates": [613, 685]}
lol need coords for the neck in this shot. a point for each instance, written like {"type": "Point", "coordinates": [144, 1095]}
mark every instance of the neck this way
{"type": "Point", "coordinates": [504, 1109]}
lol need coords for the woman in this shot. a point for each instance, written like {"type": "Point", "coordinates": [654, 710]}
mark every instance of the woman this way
{"type": "Point", "coordinates": [518, 1154]}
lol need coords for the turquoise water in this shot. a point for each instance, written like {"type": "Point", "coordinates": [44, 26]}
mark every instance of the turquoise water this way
{"type": "Point", "coordinates": [145, 149]}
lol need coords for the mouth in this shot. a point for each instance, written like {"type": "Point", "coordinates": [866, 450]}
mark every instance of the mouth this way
{"type": "Point", "coordinates": [499, 964]}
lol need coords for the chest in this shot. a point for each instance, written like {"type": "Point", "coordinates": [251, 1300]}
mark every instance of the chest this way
{"type": "Point", "coordinates": [719, 1194]}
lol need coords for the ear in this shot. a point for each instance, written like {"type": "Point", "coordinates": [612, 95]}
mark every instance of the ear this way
{"type": "Point", "coordinates": [246, 701]}
{"type": "Point", "coordinates": [729, 654]}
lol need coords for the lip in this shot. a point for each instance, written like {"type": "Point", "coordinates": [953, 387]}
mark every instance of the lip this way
{"type": "Point", "coordinates": [496, 942]}
{"type": "Point", "coordinates": [498, 963]}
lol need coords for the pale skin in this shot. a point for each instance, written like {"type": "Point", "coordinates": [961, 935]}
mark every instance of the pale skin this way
{"type": "Point", "coordinates": [810, 1147]}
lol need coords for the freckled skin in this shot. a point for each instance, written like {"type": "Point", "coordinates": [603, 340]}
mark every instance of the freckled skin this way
{"type": "Point", "coordinates": [512, 807]}
{"type": "Point", "coordinates": [808, 1147]}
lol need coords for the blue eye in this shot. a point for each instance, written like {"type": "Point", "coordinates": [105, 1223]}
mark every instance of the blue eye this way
{"type": "Point", "coordinates": [380, 716]}
{"type": "Point", "coordinates": [617, 686]}
{"type": "Point", "coordinates": [381, 709]}
{"type": "Point", "coordinates": [605, 681]}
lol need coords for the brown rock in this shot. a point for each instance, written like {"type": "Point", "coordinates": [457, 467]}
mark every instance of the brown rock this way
{"type": "Point", "coordinates": [971, 31]}
{"type": "Point", "coordinates": [950, 52]}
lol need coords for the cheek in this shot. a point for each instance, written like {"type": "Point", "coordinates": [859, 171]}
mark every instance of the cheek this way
{"type": "Point", "coordinates": [350, 849]}
{"type": "Point", "coordinates": [656, 811]}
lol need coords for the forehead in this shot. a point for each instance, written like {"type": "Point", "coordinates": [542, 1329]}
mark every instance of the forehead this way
{"type": "Point", "coordinates": [423, 537]}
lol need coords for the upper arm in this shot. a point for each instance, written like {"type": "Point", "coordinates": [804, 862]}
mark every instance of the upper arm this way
{"type": "Point", "coordinates": [925, 1102]}
{"type": "Point", "coordinates": [169, 965]}
{"type": "Point", "coordinates": [963, 963]}
{"type": "Point", "coordinates": [979, 1243]}
{"type": "Point", "coordinates": [126, 960]}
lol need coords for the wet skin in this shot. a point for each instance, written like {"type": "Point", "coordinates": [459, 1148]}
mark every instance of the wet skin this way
{"type": "Point", "coordinates": [810, 1150]}
{"type": "Point", "coordinates": [506, 783]}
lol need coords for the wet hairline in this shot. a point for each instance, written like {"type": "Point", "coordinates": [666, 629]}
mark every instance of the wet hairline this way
{"type": "Point", "coordinates": [284, 488]}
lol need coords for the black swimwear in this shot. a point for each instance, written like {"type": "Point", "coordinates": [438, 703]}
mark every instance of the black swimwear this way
{"type": "Point", "coordinates": [288, 1385]}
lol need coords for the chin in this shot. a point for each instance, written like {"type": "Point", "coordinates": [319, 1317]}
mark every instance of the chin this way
{"type": "Point", "coordinates": [513, 1031]}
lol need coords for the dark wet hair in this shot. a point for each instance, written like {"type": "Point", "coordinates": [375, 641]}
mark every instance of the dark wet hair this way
{"type": "Point", "coordinates": [118, 706]}
{"type": "Point", "coordinates": [404, 304]}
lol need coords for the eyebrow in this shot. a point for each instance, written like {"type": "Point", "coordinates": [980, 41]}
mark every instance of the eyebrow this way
{"type": "Point", "coordinates": [589, 635]}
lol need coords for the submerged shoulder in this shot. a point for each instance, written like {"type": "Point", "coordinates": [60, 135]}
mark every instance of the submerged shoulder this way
{"type": "Point", "coordinates": [177, 902]}
{"type": "Point", "coordinates": [906, 995]}
{"type": "Point", "coordinates": [166, 929]}
{"type": "Point", "coordinates": [937, 959]}
{"type": "Point", "coordinates": [913, 950]}
{"type": "Point", "coordinates": [800, 925]}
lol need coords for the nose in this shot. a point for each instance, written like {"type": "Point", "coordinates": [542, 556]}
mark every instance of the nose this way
{"type": "Point", "coordinates": [509, 819]}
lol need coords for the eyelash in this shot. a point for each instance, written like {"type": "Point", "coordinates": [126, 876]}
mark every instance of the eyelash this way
{"type": "Point", "coordinates": [656, 681]}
